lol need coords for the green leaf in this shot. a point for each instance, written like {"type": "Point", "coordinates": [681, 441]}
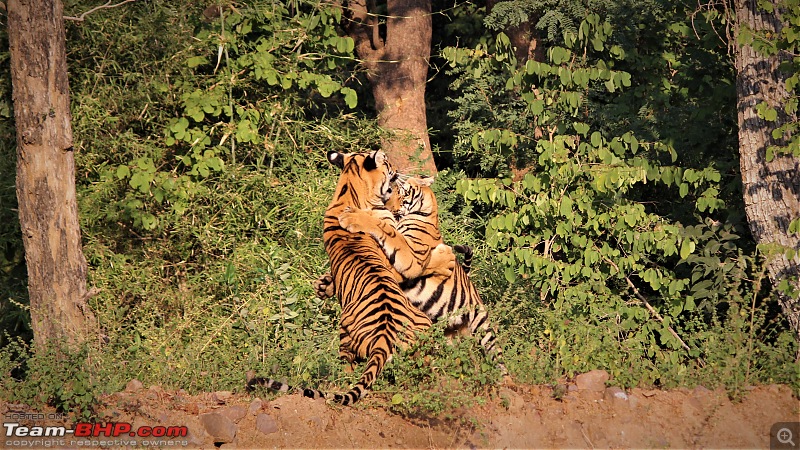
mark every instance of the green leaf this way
{"type": "Point", "coordinates": [195, 61]}
{"type": "Point", "coordinates": [581, 128]}
{"type": "Point", "coordinates": [350, 97]}
{"type": "Point", "coordinates": [597, 139]}
{"type": "Point", "coordinates": [510, 275]}
{"type": "Point", "coordinates": [794, 226]}
{"type": "Point", "coordinates": [687, 247]}
{"type": "Point", "coordinates": [123, 172]}
{"type": "Point", "coordinates": [397, 399]}
{"type": "Point", "coordinates": [566, 207]}
{"type": "Point", "coordinates": [771, 114]}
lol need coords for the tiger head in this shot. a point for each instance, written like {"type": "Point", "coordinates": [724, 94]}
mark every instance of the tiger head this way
{"type": "Point", "coordinates": [414, 195]}
{"type": "Point", "coordinates": [368, 179]}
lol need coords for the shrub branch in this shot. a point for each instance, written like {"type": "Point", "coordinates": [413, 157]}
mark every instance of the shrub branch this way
{"type": "Point", "coordinates": [107, 5]}
{"type": "Point", "coordinates": [650, 307]}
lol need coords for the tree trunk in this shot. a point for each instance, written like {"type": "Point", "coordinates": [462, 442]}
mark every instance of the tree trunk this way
{"type": "Point", "coordinates": [397, 69]}
{"type": "Point", "coordinates": [771, 189]}
{"type": "Point", "coordinates": [48, 211]}
{"type": "Point", "coordinates": [524, 38]}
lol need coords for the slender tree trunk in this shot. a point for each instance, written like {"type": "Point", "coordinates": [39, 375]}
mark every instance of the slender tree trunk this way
{"type": "Point", "coordinates": [771, 188]}
{"type": "Point", "coordinates": [48, 210]}
{"type": "Point", "coordinates": [396, 58]}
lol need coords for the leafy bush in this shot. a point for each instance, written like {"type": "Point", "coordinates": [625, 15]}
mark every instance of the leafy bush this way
{"type": "Point", "coordinates": [580, 217]}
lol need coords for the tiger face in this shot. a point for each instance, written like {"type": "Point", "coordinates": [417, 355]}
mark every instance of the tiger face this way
{"type": "Point", "coordinates": [367, 179]}
{"type": "Point", "coordinates": [414, 195]}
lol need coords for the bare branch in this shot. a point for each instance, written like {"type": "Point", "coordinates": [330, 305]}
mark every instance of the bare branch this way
{"type": "Point", "coordinates": [108, 5]}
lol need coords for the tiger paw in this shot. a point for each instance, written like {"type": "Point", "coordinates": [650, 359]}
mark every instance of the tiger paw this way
{"type": "Point", "coordinates": [323, 286]}
{"type": "Point", "coordinates": [442, 261]}
{"type": "Point", "coordinates": [352, 220]}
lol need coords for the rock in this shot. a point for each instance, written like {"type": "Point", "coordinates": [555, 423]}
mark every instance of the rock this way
{"type": "Point", "coordinates": [221, 396]}
{"type": "Point", "coordinates": [154, 392]}
{"type": "Point", "coordinates": [615, 394]}
{"type": "Point", "coordinates": [570, 397]}
{"type": "Point", "coordinates": [633, 401]}
{"type": "Point", "coordinates": [133, 386]}
{"type": "Point", "coordinates": [514, 401]}
{"type": "Point", "coordinates": [695, 403]}
{"type": "Point", "coordinates": [317, 420]}
{"type": "Point", "coordinates": [219, 427]}
{"type": "Point", "coordinates": [594, 381]}
{"type": "Point", "coordinates": [192, 408]}
{"type": "Point", "coordinates": [255, 406]}
{"type": "Point", "coordinates": [700, 390]}
{"type": "Point", "coordinates": [266, 424]}
{"type": "Point", "coordinates": [195, 438]}
{"type": "Point", "coordinates": [234, 412]}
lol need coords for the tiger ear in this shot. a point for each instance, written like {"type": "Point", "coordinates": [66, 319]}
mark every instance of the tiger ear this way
{"type": "Point", "coordinates": [380, 157]}
{"type": "Point", "coordinates": [336, 158]}
{"type": "Point", "coordinates": [425, 180]}
{"type": "Point", "coordinates": [374, 160]}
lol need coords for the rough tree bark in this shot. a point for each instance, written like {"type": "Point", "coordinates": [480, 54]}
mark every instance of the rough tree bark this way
{"type": "Point", "coordinates": [48, 210]}
{"type": "Point", "coordinates": [771, 189]}
{"type": "Point", "coordinates": [396, 58]}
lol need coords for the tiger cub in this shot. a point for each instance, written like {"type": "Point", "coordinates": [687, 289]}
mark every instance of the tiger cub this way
{"type": "Point", "coordinates": [376, 315]}
{"type": "Point", "coordinates": [453, 297]}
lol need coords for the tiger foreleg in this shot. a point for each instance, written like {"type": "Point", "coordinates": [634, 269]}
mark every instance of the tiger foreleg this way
{"type": "Point", "coordinates": [442, 261]}
{"type": "Point", "coordinates": [381, 226]}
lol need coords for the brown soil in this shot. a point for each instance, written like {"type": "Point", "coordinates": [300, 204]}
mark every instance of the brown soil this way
{"type": "Point", "coordinates": [521, 417]}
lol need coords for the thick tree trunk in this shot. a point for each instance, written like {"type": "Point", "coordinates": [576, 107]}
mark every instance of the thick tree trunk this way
{"type": "Point", "coordinates": [48, 210]}
{"type": "Point", "coordinates": [397, 69]}
{"type": "Point", "coordinates": [771, 189]}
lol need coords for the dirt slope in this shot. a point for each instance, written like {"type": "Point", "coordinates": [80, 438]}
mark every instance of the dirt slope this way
{"type": "Point", "coordinates": [523, 417]}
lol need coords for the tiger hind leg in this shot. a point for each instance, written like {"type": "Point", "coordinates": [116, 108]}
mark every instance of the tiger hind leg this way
{"type": "Point", "coordinates": [476, 323]}
{"type": "Point", "coordinates": [323, 286]}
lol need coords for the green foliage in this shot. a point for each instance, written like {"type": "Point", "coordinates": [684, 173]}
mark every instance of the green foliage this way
{"type": "Point", "coordinates": [582, 212]}
{"type": "Point", "coordinates": [783, 45]}
{"type": "Point", "coordinates": [55, 376]}
{"type": "Point", "coordinates": [13, 284]}
{"type": "Point", "coordinates": [437, 375]}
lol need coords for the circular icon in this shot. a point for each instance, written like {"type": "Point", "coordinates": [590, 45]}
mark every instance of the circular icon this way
{"type": "Point", "coordinates": [785, 436]}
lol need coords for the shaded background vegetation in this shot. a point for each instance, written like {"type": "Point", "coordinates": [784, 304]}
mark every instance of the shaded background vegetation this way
{"type": "Point", "coordinates": [599, 188]}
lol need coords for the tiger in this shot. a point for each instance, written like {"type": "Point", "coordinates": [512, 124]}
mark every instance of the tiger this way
{"type": "Point", "coordinates": [453, 297]}
{"type": "Point", "coordinates": [376, 316]}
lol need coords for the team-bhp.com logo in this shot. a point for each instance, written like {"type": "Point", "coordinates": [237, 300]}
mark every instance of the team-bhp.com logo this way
{"type": "Point", "coordinates": [111, 429]}
{"type": "Point", "coordinates": [19, 435]}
